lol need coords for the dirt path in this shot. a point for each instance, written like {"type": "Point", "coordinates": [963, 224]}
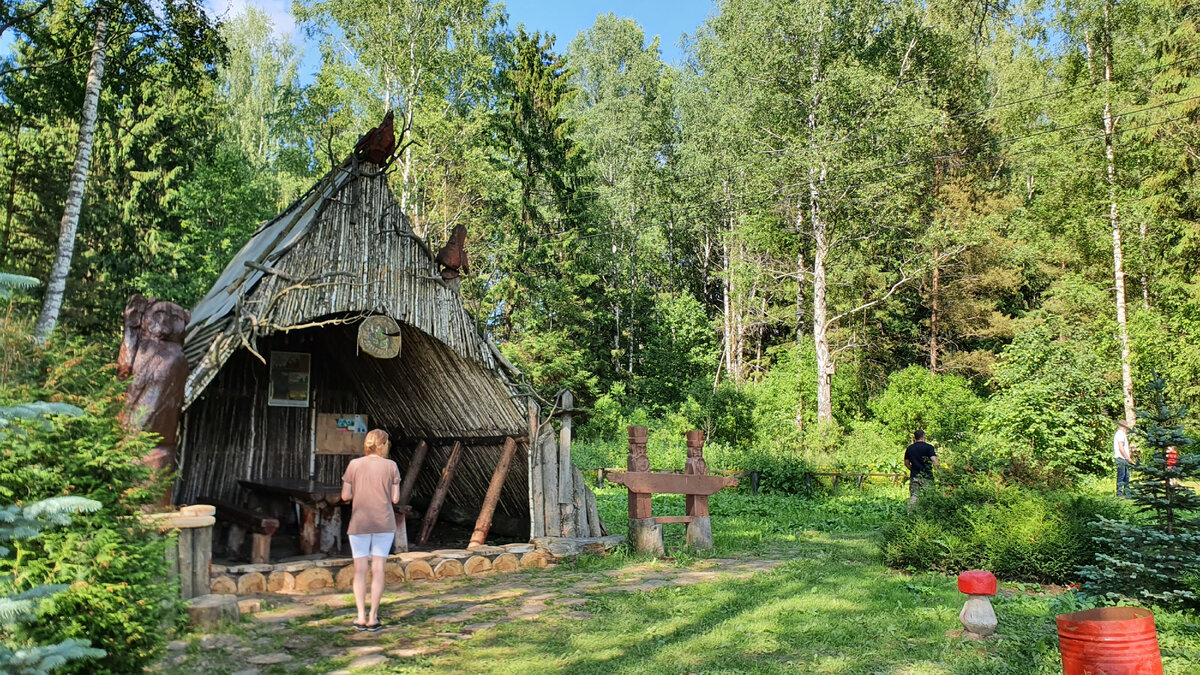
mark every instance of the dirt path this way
{"type": "Point", "coordinates": [312, 634]}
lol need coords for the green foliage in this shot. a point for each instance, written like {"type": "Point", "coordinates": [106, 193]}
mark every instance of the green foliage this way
{"type": "Point", "coordinates": [1155, 558]}
{"type": "Point", "coordinates": [24, 523]}
{"type": "Point", "coordinates": [1051, 407]}
{"type": "Point", "coordinates": [971, 521]}
{"type": "Point", "coordinates": [943, 405]}
{"type": "Point", "coordinates": [117, 596]}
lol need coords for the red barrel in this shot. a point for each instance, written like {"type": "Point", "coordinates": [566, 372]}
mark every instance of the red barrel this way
{"type": "Point", "coordinates": [1109, 641]}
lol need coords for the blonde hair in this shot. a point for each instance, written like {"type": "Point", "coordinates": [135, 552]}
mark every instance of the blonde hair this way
{"type": "Point", "coordinates": [376, 443]}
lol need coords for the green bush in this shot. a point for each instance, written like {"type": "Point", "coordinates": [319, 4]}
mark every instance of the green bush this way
{"type": "Point", "coordinates": [944, 406]}
{"type": "Point", "coordinates": [118, 597]}
{"type": "Point", "coordinates": [981, 522]}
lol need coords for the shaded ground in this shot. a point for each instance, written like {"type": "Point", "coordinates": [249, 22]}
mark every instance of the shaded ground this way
{"type": "Point", "coordinates": [797, 587]}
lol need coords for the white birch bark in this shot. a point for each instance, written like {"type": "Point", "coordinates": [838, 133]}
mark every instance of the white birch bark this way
{"type": "Point", "coordinates": [56, 286]}
{"type": "Point", "coordinates": [1118, 256]}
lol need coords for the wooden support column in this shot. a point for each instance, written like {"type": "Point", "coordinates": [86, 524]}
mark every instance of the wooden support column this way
{"type": "Point", "coordinates": [566, 479]}
{"type": "Point", "coordinates": [439, 494]}
{"type": "Point", "coordinates": [484, 522]}
{"type": "Point", "coordinates": [549, 455]}
{"type": "Point", "coordinates": [699, 528]}
{"type": "Point", "coordinates": [537, 500]}
{"type": "Point", "coordinates": [410, 476]}
{"type": "Point", "coordinates": [330, 526]}
{"type": "Point", "coordinates": [639, 503]}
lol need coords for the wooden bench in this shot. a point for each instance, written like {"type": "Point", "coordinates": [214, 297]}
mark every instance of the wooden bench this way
{"type": "Point", "coordinates": [240, 520]}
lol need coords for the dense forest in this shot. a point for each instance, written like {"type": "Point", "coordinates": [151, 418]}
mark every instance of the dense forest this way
{"type": "Point", "coordinates": [831, 223]}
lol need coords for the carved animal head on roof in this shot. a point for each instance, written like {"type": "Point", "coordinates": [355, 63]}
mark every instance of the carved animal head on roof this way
{"type": "Point", "coordinates": [377, 145]}
{"type": "Point", "coordinates": [453, 256]}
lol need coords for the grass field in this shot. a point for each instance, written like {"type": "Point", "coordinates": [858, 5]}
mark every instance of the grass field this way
{"type": "Point", "coordinates": [831, 608]}
{"type": "Point", "coordinates": [794, 586]}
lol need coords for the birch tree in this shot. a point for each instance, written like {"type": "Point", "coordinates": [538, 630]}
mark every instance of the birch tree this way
{"type": "Point", "coordinates": [56, 286]}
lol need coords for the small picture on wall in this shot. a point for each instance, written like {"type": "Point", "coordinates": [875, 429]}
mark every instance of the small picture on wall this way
{"type": "Point", "coordinates": [289, 379]}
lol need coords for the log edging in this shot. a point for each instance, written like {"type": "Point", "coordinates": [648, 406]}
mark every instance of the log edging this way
{"type": "Point", "coordinates": [323, 576]}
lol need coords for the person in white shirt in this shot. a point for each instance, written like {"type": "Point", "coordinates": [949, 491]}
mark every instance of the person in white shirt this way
{"type": "Point", "coordinates": [1122, 456]}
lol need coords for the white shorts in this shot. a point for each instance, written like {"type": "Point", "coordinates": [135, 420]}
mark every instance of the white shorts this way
{"type": "Point", "coordinates": [378, 544]}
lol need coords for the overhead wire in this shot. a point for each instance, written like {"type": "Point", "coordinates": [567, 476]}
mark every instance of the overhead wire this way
{"type": "Point", "coordinates": [883, 132]}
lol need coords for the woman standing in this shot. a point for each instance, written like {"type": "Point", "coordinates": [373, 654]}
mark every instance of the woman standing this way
{"type": "Point", "coordinates": [372, 485]}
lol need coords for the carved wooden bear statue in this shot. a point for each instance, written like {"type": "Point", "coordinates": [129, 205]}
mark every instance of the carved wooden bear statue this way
{"type": "Point", "coordinates": [152, 353]}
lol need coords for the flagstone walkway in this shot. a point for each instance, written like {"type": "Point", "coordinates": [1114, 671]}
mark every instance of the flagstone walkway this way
{"type": "Point", "coordinates": [312, 633]}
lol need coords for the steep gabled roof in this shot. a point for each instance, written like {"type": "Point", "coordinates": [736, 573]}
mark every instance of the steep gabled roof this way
{"type": "Point", "coordinates": [341, 252]}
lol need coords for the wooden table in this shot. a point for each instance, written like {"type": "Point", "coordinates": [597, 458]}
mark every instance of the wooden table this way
{"type": "Point", "coordinates": [320, 509]}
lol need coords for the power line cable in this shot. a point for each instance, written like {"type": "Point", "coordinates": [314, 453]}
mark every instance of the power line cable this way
{"type": "Point", "coordinates": [686, 176]}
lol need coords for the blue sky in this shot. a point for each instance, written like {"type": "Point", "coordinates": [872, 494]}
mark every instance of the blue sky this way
{"type": "Point", "coordinates": [564, 18]}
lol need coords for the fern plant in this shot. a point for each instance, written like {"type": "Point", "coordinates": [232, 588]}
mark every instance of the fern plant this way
{"type": "Point", "coordinates": [27, 522]}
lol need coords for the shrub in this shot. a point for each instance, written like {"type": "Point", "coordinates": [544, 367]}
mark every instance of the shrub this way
{"type": "Point", "coordinates": [971, 521]}
{"type": "Point", "coordinates": [118, 597]}
{"type": "Point", "coordinates": [21, 657]}
{"type": "Point", "coordinates": [943, 405]}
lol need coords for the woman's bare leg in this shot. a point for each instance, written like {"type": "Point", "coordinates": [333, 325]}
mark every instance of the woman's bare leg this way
{"type": "Point", "coordinates": [360, 589]}
{"type": "Point", "coordinates": [377, 563]}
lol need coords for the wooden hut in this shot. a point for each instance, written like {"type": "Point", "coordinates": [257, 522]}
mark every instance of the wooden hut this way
{"type": "Point", "coordinates": [278, 375]}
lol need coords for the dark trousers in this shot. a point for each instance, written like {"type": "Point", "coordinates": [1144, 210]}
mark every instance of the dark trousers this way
{"type": "Point", "coordinates": [1122, 475]}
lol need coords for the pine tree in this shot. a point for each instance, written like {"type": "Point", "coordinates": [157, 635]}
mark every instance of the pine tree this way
{"type": "Point", "coordinates": [26, 522]}
{"type": "Point", "coordinates": [1155, 557]}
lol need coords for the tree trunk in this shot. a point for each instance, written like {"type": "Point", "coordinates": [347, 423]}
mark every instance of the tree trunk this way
{"type": "Point", "coordinates": [1145, 275]}
{"type": "Point", "coordinates": [1118, 263]}
{"type": "Point", "coordinates": [820, 324]}
{"type": "Point", "coordinates": [56, 286]}
{"type": "Point", "coordinates": [933, 317]}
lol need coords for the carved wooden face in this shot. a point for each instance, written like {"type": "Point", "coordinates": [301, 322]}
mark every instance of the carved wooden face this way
{"type": "Point", "coordinates": [165, 321]}
{"type": "Point", "coordinates": [134, 313]}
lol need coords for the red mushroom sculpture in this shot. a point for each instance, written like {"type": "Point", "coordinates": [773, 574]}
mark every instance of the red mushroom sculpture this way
{"type": "Point", "coordinates": [977, 616]}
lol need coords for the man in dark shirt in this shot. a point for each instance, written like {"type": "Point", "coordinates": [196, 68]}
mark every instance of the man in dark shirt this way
{"type": "Point", "coordinates": [920, 458]}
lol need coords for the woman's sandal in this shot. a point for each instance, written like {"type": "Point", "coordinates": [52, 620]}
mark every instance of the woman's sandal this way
{"type": "Point", "coordinates": [374, 627]}
{"type": "Point", "coordinates": [360, 626]}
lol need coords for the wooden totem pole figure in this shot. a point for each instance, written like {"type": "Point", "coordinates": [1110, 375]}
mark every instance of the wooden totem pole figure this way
{"type": "Point", "coordinates": [644, 532]}
{"type": "Point", "coordinates": [699, 528]}
{"type": "Point", "coordinates": [152, 353]}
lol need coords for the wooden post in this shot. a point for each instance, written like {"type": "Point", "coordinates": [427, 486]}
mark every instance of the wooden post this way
{"type": "Point", "coordinates": [599, 478]}
{"type": "Point", "coordinates": [550, 484]}
{"type": "Point", "coordinates": [187, 579]}
{"type": "Point", "coordinates": [439, 494]}
{"type": "Point", "coordinates": [593, 516]}
{"type": "Point", "coordinates": [639, 504]}
{"type": "Point", "coordinates": [410, 476]}
{"type": "Point", "coordinates": [400, 541]}
{"type": "Point", "coordinates": [260, 548]}
{"type": "Point", "coordinates": [533, 455]}
{"type": "Point", "coordinates": [566, 481]}
{"type": "Point", "coordinates": [484, 522]}
{"type": "Point", "coordinates": [699, 528]}
{"type": "Point", "coordinates": [580, 505]}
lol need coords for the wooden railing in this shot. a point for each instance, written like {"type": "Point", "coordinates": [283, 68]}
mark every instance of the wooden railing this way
{"type": "Point", "coordinates": [835, 477]}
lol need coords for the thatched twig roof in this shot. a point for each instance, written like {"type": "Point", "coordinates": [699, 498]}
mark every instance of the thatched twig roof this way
{"type": "Point", "coordinates": [341, 252]}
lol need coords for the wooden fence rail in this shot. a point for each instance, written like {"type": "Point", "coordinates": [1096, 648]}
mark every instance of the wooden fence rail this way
{"type": "Point", "coordinates": [755, 476]}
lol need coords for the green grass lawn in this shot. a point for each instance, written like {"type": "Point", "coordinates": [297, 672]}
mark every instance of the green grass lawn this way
{"type": "Point", "coordinates": [832, 607]}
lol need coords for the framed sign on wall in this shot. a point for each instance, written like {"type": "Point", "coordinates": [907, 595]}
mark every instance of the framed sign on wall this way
{"type": "Point", "coordinates": [289, 379]}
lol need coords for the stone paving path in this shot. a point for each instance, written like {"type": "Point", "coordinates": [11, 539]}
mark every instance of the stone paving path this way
{"type": "Point", "coordinates": [295, 633]}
